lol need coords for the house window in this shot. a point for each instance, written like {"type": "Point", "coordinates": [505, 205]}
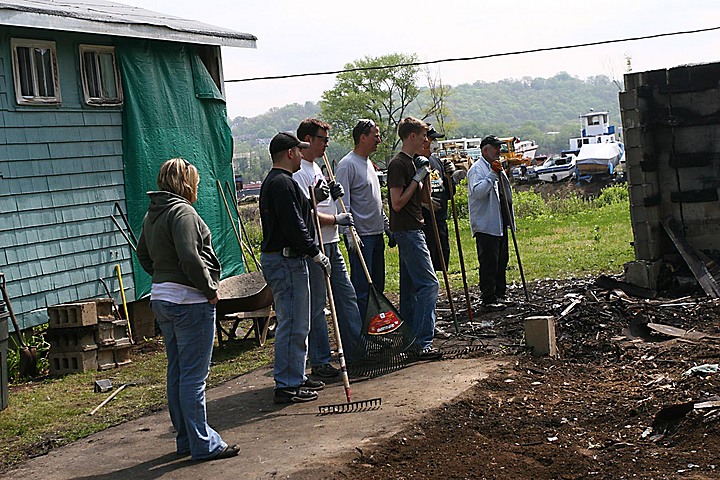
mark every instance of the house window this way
{"type": "Point", "coordinates": [35, 71]}
{"type": "Point", "coordinates": [100, 77]}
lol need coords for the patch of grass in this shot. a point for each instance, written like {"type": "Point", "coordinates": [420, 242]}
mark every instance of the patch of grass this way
{"type": "Point", "coordinates": [54, 412]}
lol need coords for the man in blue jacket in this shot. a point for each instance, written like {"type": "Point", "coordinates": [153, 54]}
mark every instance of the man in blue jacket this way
{"type": "Point", "coordinates": [489, 220]}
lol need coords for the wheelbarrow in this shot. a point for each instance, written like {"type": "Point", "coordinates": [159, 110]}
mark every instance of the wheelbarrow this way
{"type": "Point", "coordinates": [244, 297]}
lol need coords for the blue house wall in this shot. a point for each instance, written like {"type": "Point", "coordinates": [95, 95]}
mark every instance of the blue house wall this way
{"type": "Point", "coordinates": [61, 172]}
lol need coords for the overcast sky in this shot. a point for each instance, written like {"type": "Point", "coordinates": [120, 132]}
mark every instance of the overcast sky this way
{"type": "Point", "coordinates": [299, 37]}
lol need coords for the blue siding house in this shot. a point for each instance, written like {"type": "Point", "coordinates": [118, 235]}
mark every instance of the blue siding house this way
{"type": "Point", "coordinates": [85, 122]}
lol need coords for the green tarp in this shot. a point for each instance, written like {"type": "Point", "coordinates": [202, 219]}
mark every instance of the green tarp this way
{"type": "Point", "coordinates": [172, 108]}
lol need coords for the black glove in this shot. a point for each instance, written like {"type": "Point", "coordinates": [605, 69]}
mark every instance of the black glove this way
{"type": "Point", "coordinates": [336, 190]}
{"type": "Point", "coordinates": [448, 167]}
{"type": "Point", "coordinates": [391, 238]}
{"type": "Point", "coordinates": [420, 161]}
{"type": "Point", "coordinates": [322, 191]}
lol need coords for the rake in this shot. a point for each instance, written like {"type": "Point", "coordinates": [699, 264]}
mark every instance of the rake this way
{"type": "Point", "coordinates": [349, 406]}
{"type": "Point", "coordinates": [386, 342]}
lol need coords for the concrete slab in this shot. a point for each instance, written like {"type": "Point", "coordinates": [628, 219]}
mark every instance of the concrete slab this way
{"type": "Point", "coordinates": [275, 440]}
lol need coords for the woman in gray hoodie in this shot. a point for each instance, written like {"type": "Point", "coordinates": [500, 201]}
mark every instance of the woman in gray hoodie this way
{"type": "Point", "coordinates": [175, 247]}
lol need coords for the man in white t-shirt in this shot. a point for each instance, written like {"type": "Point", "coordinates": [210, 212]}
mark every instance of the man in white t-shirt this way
{"type": "Point", "coordinates": [315, 132]}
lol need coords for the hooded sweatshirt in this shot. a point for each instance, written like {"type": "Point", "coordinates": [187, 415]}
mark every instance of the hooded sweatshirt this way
{"type": "Point", "coordinates": [176, 246]}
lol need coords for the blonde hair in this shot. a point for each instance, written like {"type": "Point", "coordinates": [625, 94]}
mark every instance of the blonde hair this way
{"type": "Point", "coordinates": [178, 176]}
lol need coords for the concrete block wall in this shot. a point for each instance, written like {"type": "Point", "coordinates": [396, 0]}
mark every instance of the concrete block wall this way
{"type": "Point", "coordinates": [671, 122]}
{"type": "Point", "coordinates": [80, 342]}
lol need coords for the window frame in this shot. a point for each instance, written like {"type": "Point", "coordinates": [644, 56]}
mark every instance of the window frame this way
{"type": "Point", "coordinates": [100, 101]}
{"type": "Point", "coordinates": [35, 99]}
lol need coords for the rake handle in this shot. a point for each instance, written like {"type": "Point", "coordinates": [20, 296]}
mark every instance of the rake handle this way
{"type": "Point", "coordinates": [440, 254]}
{"type": "Point", "coordinates": [353, 232]}
{"type": "Point", "coordinates": [459, 246]}
{"type": "Point", "coordinates": [331, 301]}
{"type": "Point", "coordinates": [506, 207]}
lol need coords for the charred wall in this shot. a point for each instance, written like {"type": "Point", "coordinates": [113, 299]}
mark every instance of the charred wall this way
{"type": "Point", "coordinates": [671, 122]}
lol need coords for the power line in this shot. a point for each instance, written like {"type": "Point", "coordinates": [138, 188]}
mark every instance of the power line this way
{"type": "Point", "coordinates": [480, 57]}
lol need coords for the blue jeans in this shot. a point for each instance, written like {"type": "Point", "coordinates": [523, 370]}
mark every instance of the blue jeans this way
{"type": "Point", "coordinates": [418, 285]}
{"type": "Point", "coordinates": [189, 333]}
{"type": "Point", "coordinates": [374, 254]}
{"type": "Point", "coordinates": [289, 281]}
{"type": "Point", "coordinates": [318, 340]}
{"type": "Point", "coordinates": [346, 304]}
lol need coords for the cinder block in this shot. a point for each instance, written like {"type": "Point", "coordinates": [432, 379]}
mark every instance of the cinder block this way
{"type": "Point", "coordinates": [105, 307]}
{"type": "Point", "coordinates": [105, 331]}
{"type": "Point", "coordinates": [70, 315]}
{"type": "Point", "coordinates": [72, 362]}
{"type": "Point", "coordinates": [121, 353]}
{"type": "Point", "coordinates": [105, 358]}
{"type": "Point", "coordinates": [71, 339]}
{"type": "Point", "coordinates": [643, 273]}
{"type": "Point", "coordinates": [540, 335]}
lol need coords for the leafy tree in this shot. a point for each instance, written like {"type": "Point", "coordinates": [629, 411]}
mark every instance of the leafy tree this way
{"type": "Point", "coordinates": [383, 95]}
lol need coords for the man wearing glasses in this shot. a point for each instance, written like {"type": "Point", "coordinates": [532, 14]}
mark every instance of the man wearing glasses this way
{"type": "Point", "coordinates": [315, 132]}
{"type": "Point", "coordinates": [357, 174]}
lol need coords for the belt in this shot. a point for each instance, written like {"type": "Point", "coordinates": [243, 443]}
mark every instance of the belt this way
{"type": "Point", "coordinates": [288, 252]}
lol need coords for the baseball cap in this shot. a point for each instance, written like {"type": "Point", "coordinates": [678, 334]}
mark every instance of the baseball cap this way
{"type": "Point", "coordinates": [285, 141]}
{"type": "Point", "coordinates": [491, 140]}
{"type": "Point", "coordinates": [433, 134]}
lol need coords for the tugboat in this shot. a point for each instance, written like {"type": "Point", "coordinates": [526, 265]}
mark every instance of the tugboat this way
{"type": "Point", "coordinates": [598, 150]}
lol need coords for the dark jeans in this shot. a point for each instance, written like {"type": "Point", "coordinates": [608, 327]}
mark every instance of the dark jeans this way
{"type": "Point", "coordinates": [374, 254]}
{"type": "Point", "coordinates": [493, 257]}
{"type": "Point", "coordinates": [432, 244]}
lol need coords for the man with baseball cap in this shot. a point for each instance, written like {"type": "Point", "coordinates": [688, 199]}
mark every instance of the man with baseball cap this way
{"type": "Point", "coordinates": [288, 243]}
{"type": "Point", "coordinates": [489, 221]}
{"type": "Point", "coordinates": [441, 172]}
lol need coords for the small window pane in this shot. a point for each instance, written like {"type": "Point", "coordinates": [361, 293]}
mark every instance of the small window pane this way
{"type": "Point", "coordinates": [25, 72]}
{"type": "Point", "coordinates": [43, 65]}
{"type": "Point", "coordinates": [107, 72]}
{"type": "Point", "coordinates": [100, 75]}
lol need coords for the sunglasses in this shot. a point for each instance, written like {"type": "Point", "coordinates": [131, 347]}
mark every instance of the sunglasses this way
{"type": "Point", "coordinates": [365, 124]}
{"type": "Point", "coordinates": [324, 139]}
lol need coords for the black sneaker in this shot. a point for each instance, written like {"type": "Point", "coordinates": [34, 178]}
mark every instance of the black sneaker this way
{"type": "Point", "coordinates": [313, 385]}
{"type": "Point", "coordinates": [294, 395]}
{"type": "Point", "coordinates": [494, 306]}
{"type": "Point", "coordinates": [326, 370]}
{"type": "Point", "coordinates": [428, 353]}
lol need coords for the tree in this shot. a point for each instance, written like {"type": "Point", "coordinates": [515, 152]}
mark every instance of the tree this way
{"type": "Point", "coordinates": [382, 95]}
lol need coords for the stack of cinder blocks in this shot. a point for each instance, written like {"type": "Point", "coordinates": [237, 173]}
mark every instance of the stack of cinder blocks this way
{"type": "Point", "coordinates": [86, 336]}
{"type": "Point", "coordinates": [671, 128]}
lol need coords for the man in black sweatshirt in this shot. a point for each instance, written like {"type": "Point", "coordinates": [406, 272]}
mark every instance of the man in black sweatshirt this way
{"type": "Point", "coordinates": [288, 244]}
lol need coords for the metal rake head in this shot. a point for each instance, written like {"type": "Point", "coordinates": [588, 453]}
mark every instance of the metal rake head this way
{"type": "Point", "coordinates": [350, 407]}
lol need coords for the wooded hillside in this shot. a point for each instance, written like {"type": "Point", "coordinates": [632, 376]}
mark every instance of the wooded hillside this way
{"type": "Point", "coordinates": [530, 108]}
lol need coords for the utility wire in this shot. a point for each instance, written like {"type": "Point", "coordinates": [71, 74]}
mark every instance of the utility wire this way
{"type": "Point", "coordinates": [480, 57]}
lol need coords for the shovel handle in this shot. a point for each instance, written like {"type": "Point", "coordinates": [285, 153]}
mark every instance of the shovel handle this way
{"type": "Point", "coordinates": [6, 299]}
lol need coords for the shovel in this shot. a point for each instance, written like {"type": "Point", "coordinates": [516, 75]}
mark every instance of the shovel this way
{"type": "Point", "coordinates": [506, 207]}
{"type": "Point", "coordinates": [28, 355]}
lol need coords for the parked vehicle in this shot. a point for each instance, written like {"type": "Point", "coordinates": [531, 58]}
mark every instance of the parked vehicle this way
{"type": "Point", "coordinates": [556, 169]}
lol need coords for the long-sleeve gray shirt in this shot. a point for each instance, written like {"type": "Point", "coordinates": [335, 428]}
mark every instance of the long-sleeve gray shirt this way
{"type": "Point", "coordinates": [362, 193]}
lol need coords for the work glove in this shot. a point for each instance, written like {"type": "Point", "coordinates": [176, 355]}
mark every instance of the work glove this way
{"type": "Point", "coordinates": [496, 166]}
{"type": "Point", "coordinates": [458, 176]}
{"type": "Point", "coordinates": [344, 219]}
{"type": "Point", "coordinates": [336, 190]}
{"type": "Point", "coordinates": [449, 168]}
{"type": "Point", "coordinates": [391, 238]}
{"type": "Point", "coordinates": [324, 262]}
{"type": "Point", "coordinates": [350, 244]}
{"type": "Point", "coordinates": [322, 191]}
{"type": "Point", "coordinates": [421, 173]}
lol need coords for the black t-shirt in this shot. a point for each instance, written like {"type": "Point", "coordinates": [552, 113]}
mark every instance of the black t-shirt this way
{"type": "Point", "coordinates": [286, 215]}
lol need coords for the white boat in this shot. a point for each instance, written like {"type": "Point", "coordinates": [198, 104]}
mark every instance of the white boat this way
{"type": "Point", "coordinates": [598, 158]}
{"type": "Point", "coordinates": [598, 149]}
{"type": "Point", "coordinates": [556, 169]}
{"type": "Point", "coordinates": [526, 148]}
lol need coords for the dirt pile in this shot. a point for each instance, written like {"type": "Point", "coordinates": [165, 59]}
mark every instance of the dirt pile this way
{"type": "Point", "coordinates": [598, 411]}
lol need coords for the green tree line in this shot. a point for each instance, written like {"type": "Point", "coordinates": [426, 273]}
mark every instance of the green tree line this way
{"type": "Point", "coordinates": [542, 109]}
